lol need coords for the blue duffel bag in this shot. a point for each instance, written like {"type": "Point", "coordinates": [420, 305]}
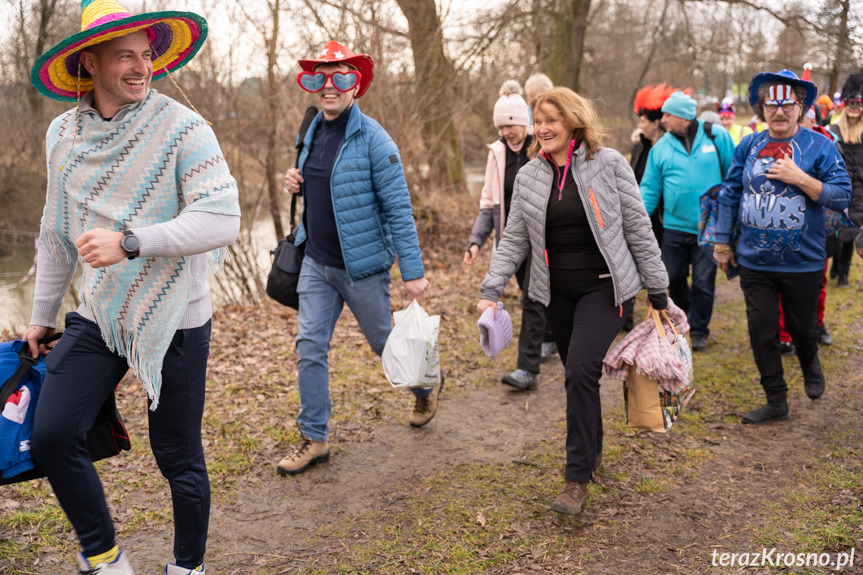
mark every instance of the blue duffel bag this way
{"type": "Point", "coordinates": [21, 378]}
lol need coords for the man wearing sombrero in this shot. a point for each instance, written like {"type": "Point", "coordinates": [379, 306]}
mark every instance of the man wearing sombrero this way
{"type": "Point", "coordinates": [771, 225]}
{"type": "Point", "coordinates": [140, 194]}
{"type": "Point", "coordinates": [357, 217]}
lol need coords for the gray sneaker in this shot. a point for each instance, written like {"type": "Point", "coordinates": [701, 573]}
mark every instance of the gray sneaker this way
{"type": "Point", "coordinates": [119, 566]}
{"type": "Point", "coordinates": [548, 349]}
{"type": "Point", "coordinates": [520, 379]}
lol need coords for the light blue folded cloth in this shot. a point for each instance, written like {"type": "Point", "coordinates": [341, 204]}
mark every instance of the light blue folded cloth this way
{"type": "Point", "coordinates": [495, 330]}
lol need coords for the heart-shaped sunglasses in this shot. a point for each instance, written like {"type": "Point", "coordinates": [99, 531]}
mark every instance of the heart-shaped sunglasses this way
{"type": "Point", "coordinates": [315, 81]}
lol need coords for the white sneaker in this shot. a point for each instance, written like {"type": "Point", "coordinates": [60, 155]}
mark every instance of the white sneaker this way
{"type": "Point", "coordinates": [119, 566]}
{"type": "Point", "coordinates": [171, 569]}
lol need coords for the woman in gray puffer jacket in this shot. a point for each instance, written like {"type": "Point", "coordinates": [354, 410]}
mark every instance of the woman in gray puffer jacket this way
{"type": "Point", "coordinates": [577, 211]}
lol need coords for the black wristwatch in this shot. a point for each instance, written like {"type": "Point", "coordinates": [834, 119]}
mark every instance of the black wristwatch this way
{"type": "Point", "coordinates": [130, 244]}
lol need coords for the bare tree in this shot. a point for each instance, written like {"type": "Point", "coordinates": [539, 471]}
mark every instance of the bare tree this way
{"type": "Point", "coordinates": [433, 93]}
{"type": "Point", "coordinates": [570, 28]}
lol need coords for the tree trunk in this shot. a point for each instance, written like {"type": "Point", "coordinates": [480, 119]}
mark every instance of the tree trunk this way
{"type": "Point", "coordinates": [46, 12]}
{"type": "Point", "coordinates": [434, 93]}
{"type": "Point", "coordinates": [273, 187]}
{"type": "Point", "coordinates": [568, 51]}
{"type": "Point", "coordinates": [841, 43]}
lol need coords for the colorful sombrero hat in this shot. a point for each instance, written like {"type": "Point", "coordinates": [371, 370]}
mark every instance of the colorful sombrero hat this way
{"type": "Point", "coordinates": [337, 53]}
{"type": "Point", "coordinates": [175, 37]}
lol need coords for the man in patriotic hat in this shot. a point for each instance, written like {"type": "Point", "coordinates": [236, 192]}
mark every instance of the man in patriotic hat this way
{"type": "Point", "coordinates": [686, 162]}
{"type": "Point", "coordinates": [139, 193]}
{"type": "Point", "coordinates": [775, 194]}
{"type": "Point", "coordinates": [357, 218]}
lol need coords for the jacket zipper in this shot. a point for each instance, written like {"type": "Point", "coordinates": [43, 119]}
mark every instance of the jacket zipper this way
{"type": "Point", "coordinates": [595, 207]}
{"type": "Point", "coordinates": [596, 236]}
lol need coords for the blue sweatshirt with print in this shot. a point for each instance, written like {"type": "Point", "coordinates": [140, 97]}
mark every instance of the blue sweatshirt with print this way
{"type": "Point", "coordinates": [781, 228]}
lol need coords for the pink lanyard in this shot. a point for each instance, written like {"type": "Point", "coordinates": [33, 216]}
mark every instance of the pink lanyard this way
{"type": "Point", "coordinates": [562, 179]}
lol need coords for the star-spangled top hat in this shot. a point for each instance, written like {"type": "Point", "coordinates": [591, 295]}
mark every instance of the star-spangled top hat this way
{"type": "Point", "coordinates": [337, 53]}
{"type": "Point", "coordinates": [782, 77]}
{"type": "Point", "coordinates": [175, 38]}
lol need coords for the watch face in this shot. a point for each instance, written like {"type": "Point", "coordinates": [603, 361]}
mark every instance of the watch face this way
{"type": "Point", "coordinates": [130, 243]}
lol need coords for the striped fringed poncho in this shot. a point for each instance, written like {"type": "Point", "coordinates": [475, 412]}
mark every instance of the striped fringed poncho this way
{"type": "Point", "coordinates": [154, 163]}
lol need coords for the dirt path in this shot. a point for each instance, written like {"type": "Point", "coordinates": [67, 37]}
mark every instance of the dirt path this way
{"type": "Point", "coordinates": [296, 523]}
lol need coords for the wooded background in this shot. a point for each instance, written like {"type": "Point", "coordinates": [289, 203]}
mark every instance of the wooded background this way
{"type": "Point", "coordinates": [438, 67]}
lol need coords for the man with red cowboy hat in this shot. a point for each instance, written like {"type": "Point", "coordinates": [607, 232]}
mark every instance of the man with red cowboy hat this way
{"type": "Point", "coordinates": [140, 194]}
{"type": "Point", "coordinates": [357, 217]}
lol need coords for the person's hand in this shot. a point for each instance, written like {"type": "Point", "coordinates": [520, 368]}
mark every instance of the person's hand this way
{"type": "Point", "coordinates": [860, 251]}
{"type": "Point", "coordinates": [724, 258]}
{"type": "Point", "coordinates": [293, 179]}
{"type": "Point", "coordinates": [659, 301]}
{"type": "Point", "coordinates": [786, 170]}
{"type": "Point", "coordinates": [100, 247]}
{"type": "Point", "coordinates": [470, 255]}
{"type": "Point", "coordinates": [484, 304]}
{"type": "Point", "coordinates": [32, 336]}
{"type": "Point", "coordinates": [417, 288]}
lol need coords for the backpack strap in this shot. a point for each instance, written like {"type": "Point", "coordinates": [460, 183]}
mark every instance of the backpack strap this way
{"type": "Point", "coordinates": [308, 118]}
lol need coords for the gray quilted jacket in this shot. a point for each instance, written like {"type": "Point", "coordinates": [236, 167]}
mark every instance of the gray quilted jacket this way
{"type": "Point", "coordinates": [617, 218]}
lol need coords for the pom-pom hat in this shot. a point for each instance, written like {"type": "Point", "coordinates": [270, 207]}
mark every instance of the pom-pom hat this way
{"type": "Point", "coordinates": [175, 38]}
{"type": "Point", "coordinates": [782, 77]}
{"type": "Point", "coordinates": [337, 53]}
{"type": "Point", "coordinates": [510, 109]}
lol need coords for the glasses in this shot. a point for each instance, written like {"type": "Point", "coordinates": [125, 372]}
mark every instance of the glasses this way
{"type": "Point", "coordinates": [315, 81]}
{"type": "Point", "coordinates": [854, 104]}
{"type": "Point", "coordinates": [787, 106]}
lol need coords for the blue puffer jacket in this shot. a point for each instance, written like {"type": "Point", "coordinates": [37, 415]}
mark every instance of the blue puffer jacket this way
{"type": "Point", "coordinates": [374, 216]}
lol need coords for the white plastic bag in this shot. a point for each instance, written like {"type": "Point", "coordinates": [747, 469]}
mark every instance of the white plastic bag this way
{"type": "Point", "coordinates": [411, 357]}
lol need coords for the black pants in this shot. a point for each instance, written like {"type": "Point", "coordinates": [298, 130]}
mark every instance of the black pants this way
{"type": "Point", "coordinates": [82, 373]}
{"type": "Point", "coordinates": [534, 330]}
{"type": "Point", "coordinates": [799, 292]}
{"type": "Point", "coordinates": [584, 321]}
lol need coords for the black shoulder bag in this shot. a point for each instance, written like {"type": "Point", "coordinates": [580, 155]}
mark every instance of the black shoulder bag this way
{"type": "Point", "coordinates": [108, 436]}
{"type": "Point", "coordinates": [287, 256]}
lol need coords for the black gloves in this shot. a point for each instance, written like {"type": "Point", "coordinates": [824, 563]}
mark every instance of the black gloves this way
{"type": "Point", "coordinates": [659, 301]}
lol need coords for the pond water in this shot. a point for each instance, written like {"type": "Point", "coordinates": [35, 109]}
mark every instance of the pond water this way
{"type": "Point", "coordinates": [16, 287]}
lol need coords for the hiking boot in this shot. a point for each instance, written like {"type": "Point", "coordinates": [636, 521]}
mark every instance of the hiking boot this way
{"type": "Point", "coordinates": [571, 499]}
{"type": "Point", "coordinates": [824, 335]}
{"type": "Point", "coordinates": [426, 407]}
{"type": "Point", "coordinates": [520, 379]}
{"type": "Point", "coordinates": [813, 379]}
{"type": "Point", "coordinates": [119, 566]}
{"type": "Point", "coordinates": [767, 413]}
{"type": "Point", "coordinates": [699, 341]}
{"type": "Point", "coordinates": [842, 281]}
{"type": "Point", "coordinates": [548, 349]}
{"type": "Point", "coordinates": [171, 569]}
{"type": "Point", "coordinates": [786, 348]}
{"type": "Point", "coordinates": [305, 454]}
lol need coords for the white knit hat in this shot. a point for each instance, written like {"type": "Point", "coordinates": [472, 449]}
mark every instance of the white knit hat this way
{"type": "Point", "coordinates": [511, 109]}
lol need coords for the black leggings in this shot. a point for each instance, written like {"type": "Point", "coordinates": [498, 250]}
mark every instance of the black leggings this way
{"type": "Point", "coordinates": [584, 321]}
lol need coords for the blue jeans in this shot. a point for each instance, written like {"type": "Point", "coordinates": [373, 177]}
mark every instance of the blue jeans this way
{"type": "Point", "coordinates": [82, 373]}
{"type": "Point", "coordinates": [323, 292]}
{"type": "Point", "coordinates": [679, 251]}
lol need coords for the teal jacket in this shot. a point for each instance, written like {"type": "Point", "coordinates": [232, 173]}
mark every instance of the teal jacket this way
{"type": "Point", "coordinates": [679, 178]}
